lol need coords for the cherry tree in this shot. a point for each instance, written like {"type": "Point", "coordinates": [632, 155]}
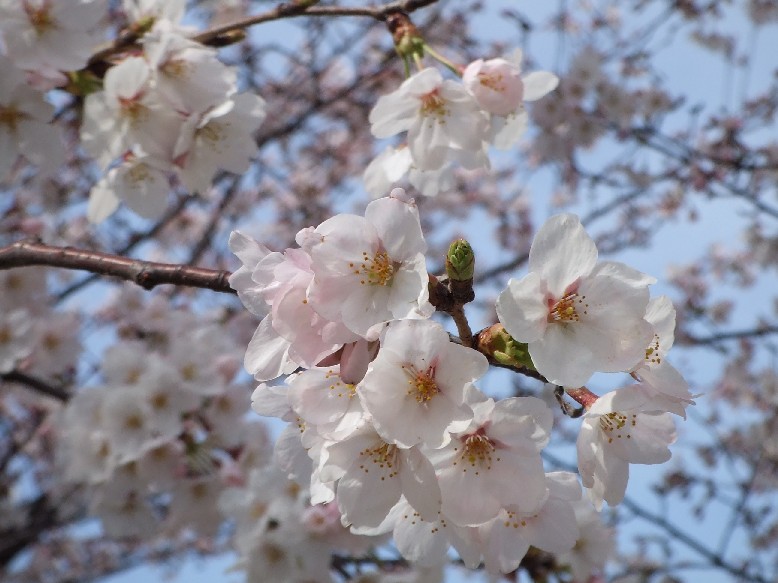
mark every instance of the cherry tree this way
{"type": "Point", "coordinates": [386, 293]}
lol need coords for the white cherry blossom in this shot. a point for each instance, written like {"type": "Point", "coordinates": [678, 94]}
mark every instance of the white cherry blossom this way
{"type": "Point", "coordinates": [370, 270]}
{"type": "Point", "coordinates": [415, 388]}
{"type": "Point", "coordinates": [439, 115]}
{"type": "Point", "coordinates": [479, 469]}
{"type": "Point", "coordinates": [577, 316]}
{"type": "Point", "coordinates": [221, 138]}
{"type": "Point", "coordinates": [24, 128]}
{"type": "Point", "coordinates": [621, 427]}
{"type": "Point", "coordinates": [46, 35]}
{"type": "Point", "coordinates": [373, 474]}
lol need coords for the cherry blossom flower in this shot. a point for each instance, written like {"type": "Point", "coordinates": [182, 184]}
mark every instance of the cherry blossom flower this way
{"type": "Point", "coordinates": [594, 546]}
{"type": "Point", "coordinates": [577, 316]}
{"type": "Point", "coordinates": [500, 90]}
{"type": "Point", "coordinates": [128, 114]}
{"type": "Point", "coordinates": [24, 128]}
{"type": "Point", "coordinates": [47, 35]}
{"type": "Point", "coordinates": [669, 388]}
{"type": "Point", "coordinates": [187, 74]}
{"type": "Point", "coordinates": [439, 116]}
{"type": "Point", "coordinates": [479, 469]}
{"type": "Point", "coordinates": [141, 182]}
{"type": "Point", "coordinates": [621, 427]}
{"type": "Point", "coordinates": [415, 388]}
{"type": "Point", "coordinates": [370, 270]}
{"type": "Point", "coordinates": [551, 528]}
{"type": "Point", "coordinates": [372, 475]}
{"type": "Point", "coordinates": [389, 167]}
{"type": "Point", "coordinates": [16, 342]}
{"type": "Point", "coordinates": [219, 138]}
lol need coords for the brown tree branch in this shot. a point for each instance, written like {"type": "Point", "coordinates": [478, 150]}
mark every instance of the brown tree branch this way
{"type": "Point", "coordinates": [37, 384]}
{"type": "Point", "coordinates": [292, 9]}
{"type": "Point", "coordinates": [147, 274]}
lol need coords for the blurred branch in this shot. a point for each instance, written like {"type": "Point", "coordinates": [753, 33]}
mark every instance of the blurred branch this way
{"type": "Point", "coordinates": [215, 36]}
{"type": "Point", "coordinates": [759, 331]}
{"type": "Point", "coordinates": [37, 384]}
{"type": "Point", "coordinates": [147, 274]}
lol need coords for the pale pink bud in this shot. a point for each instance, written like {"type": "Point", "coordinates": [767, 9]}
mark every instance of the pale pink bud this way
{"type": "Point", "coordinates": [495, 84]}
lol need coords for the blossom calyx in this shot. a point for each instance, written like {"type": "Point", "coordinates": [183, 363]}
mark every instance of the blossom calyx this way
{"type": "Point", "coordinates": [503, 348]}
{"type": "Point", "coordinates": [406, 37]}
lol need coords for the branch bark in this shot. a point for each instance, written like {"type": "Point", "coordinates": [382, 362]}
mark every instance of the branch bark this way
{"type": "Point", "coordinates": [147, 274]}
{"type": "Point", "coordinates": [292, 9]}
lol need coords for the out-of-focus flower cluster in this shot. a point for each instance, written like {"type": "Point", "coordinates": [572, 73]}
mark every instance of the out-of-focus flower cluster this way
{"type": "Point", "coordinates": [450, 122]}
{"type": "Point", "coordinates": [170, 111]}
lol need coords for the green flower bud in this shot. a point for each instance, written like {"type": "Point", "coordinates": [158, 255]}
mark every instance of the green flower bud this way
{"type": "Point", "coordinates": [460, 261]}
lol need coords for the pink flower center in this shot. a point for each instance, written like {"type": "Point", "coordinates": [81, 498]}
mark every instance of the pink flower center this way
{"type": "Point", "coordinates": [422, 383]}
{"type": "Point", "coordinates": [433, 104]}
{"type": "Point", "coordinates": [477, 450]}
{"type": "Point", "coordinates": [493, 81]}
{"type": "Point", "coordinates": [652, 352]}
{"type": "Point", "coordinates": [567, 308]}
{"type": "Point", "coordinates": [613, 424]}
{"type": "Point", "coordinates": [383, 456]}
{"type": "Point", "coordinates": [376, 270]}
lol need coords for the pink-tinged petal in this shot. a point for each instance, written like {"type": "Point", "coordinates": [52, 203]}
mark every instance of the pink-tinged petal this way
{"type": "Point", "coordinates": [249, 251]}
{"type": "Point", "coordinates": [271, 402]}
{"type": "Point", "coordinates": [392, 114]}
{"type": "Point", "coordinates": [623, 273]}
{"type": "Point", "coordinates": [522, 308]}
{"type": "Point", "coordinates": [561, 253]}
{"type": "Point", "coordinates": [563, 485]}
{"type": "Point", "coordinates": [669, 390]}
{"type": "Point", "coordinates": [465, 501]}
{"type": "Point", "coordinates": [554, 529]}
{"type": "Point", "coordinates": [630, 398]}
{"type": "Point", "coordinates": [366, 306]}
{"type": "Point", "coordinates": [504, 132]}
{"type": "Point", "coordinates": [506, 545]}
{"type": "Point", "coordinates": [423, 82]}
{"type": "Point", "coordinates": [459, 366]}
{"type": "Point", "coordinates": [127, 80]}
{"type": "Point", "coordinates": [397, 225]}
{"type": "Point", "coordinates": [267, 355]}
{"type": "Point", "coordinates": [365, 496]}
{"type": "Point", "coordinates": [102, 202]}
{"type": "Point", "coordinates": [428, 143]}
{"type": "Point", "coordinates": [614, 476]}
{"type": "Point", "coordinates": [644, 439]}
{"type": "Point", "coordinates": [521, 423]}
{"type": "Point", "coordinates": [539, 83]}
{"type": "Point", "coordinates": [319, 396]}
{"type": "Point", "coordinates": [419, 484]}
{"type": "Point", "coordinates": [561, 358]}
{"type": "Point", "coordinates": [423, 542]}
{"type": "Point", "coordinates": [660, 313]}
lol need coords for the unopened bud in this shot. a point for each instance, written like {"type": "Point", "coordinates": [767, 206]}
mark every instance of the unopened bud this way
{"type": "Point", "coordinates": [83, 82]}
{"type": "Point", "coordinates": [407, 40]}
{"type": "Point", "coordinates": [497, 343]}
{"type": "Point", "coordinates": [460, 261]}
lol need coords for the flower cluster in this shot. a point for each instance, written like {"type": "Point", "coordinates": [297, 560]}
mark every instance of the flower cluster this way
{"type": "Point", "coordinates": [385, 417]}
{"type": "Point", "coordinates": [170, 110]}
{"type": "Point", "coordinates": [449, 122]}
{"type": "Point", "coordinates": [579, 316]}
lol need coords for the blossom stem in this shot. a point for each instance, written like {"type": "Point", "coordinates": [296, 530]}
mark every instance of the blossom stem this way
{"type": "Point", "coordinates": [438, 57]}
{"type": "Point", "coordinates": [582, 396]}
